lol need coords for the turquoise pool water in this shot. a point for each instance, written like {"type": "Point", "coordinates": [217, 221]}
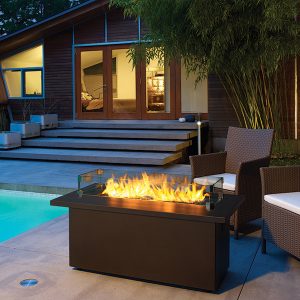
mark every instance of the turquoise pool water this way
{"type": "Point", "coordinates": [21, 211]}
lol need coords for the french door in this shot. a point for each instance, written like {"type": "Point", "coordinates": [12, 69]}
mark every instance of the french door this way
{"type": "Point", "coordinates": [108, 86]}
{"type": "Point", "coordinates": [123, 80]}
{"type": "Point", "coordinates": [91, 83]}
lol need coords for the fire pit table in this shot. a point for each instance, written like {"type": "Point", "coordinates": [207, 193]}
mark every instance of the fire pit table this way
{"type": "Point", "coordinates": [176, 240]}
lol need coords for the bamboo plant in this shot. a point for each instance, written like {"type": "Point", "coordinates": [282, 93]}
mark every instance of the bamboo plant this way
{"type": "Point", "coordinates": [246, 43]}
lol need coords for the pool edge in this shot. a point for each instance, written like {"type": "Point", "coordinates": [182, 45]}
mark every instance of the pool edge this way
{"type": "Point", "coordinates": [36, 188]}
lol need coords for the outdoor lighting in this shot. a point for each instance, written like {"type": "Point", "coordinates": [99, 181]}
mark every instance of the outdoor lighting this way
{"type": "Point", "coordinates": [199, 136]}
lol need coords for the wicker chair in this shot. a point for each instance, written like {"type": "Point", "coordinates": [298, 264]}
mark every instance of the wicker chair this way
{"type": "Point", "coordinates": [281, 208]}
{"type": "Point", "coordinates": [246, 151]}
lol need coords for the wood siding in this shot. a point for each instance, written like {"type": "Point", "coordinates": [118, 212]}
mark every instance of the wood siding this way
{"type": "Point", "coordinates": [298, 98]}
{"type": "Point", "coordinates": [58, 81]}
{"type": "Point", "coordinates": [120, 28]}
{"type": "Point", "coordinates": [58, 72]}
{"type": "Point", "coordinates": [287, 94]}
{"type": "Point", "coordinates": [144, 30]}
{"type": "Point", "coordinates": [3, 96]}
{"type": "Point", "coordinates": [91, 31]}
{"type": "Point", "coordinates": [220, 112]}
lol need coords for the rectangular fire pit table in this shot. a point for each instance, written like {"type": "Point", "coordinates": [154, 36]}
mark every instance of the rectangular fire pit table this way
{"type": "Point", "coordinates": [172, 243]}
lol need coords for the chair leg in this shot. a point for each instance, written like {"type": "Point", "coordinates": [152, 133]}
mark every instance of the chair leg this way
{"type": "Point", "coordinates": [236, 226]}
{"type": "Point", "coordinates": [263, 246]}
{"type": "Point", "coordinates": [236, 233]}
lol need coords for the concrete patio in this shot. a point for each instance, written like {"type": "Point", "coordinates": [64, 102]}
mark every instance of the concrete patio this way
{"type": "Point", "coordinates": [61, 177]}
{"type": "Point", "coordinates": [42, 253]}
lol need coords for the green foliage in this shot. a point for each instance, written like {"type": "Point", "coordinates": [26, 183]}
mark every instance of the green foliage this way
{"type": "Point", "coordinates": [245, 42]}
{"type": "Point", "coordinates": [17, 14]}
{"type": "Point", "coordinates": [221, 36]}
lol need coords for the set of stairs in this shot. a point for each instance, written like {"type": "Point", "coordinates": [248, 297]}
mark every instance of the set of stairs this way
{"type": "Point", "coordinates": [116, 142]}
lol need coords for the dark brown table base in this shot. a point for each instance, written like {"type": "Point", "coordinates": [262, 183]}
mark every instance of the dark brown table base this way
{"type": "Point", "coordinates": [177, 244]}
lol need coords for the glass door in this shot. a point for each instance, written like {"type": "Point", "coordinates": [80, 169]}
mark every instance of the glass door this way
{"type": "Point", "coordinates": [158, 93]}
{"type": "Point", "coordinates": [109, 86]}
{"type": "Point", "coordinates": [124, 87]}
{"type": "Point", "coordinates": [91, 83]}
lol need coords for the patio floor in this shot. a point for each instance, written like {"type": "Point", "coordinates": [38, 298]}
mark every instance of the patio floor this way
{"type": "Point", "coordinates": [42, 253]}
{"type": "Point", "coordinates": [52, 177]}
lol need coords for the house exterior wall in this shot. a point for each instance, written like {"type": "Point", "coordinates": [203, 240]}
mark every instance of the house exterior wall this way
{"type": "Point", "coordinates": [220, 113]}
{"type": "Point", "coordinates": [120, 29]}
{"type": "Point", "coordinates": [58, 81]}
{"type": "Point", "coordinates": [58, 73]}
{"type": "Point", "coordinates": [90, 31]}
{"type": "Point", "coordinates": [3, 96]}
{"type": "Point", "coordinates": [108, 27]}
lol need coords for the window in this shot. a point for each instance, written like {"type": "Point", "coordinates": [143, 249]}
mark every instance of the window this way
{"type": "Point", "coordinates": [157, 87]}
{"type": "Point", "coordinates": [123, 82]}
{"type": "Point", "coordinates": [23, 73]}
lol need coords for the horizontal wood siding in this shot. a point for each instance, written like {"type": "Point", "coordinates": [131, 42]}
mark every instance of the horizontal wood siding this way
{"type": "Point", "coordinates": [58, 72]}
{"type": "Point", "coordinates": [3, 96]}
{"type": "Point", "coordinates": [287, 95]}
{"type": "Point", "coordinates": [144, 30]}
{"type": "Point", "coordinates": [91, 31]}
{"type": "Point", "coordinates": [220, 111]}
{"type": "Point", "coordinates": [298, 99]}
{"type": "Point", "coordinates": [120, 28]}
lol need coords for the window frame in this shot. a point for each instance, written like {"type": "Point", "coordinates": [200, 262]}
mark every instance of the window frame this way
{"type": "Point", "coordinates": [23, 82]}
{"type": "Point", "coordinates": [23, 71]}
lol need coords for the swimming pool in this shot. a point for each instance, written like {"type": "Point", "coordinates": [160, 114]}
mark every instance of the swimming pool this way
{"type": "Point", "coordinates": [21, 211]}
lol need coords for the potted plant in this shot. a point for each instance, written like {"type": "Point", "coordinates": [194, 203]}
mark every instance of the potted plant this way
{"type": "Point", "coordinates": [25, 128]}
{"type": "Point", "coordinates": [47, 120]}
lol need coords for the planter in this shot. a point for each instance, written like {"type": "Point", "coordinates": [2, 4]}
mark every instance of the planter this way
{"type": "Point", "coordinates": [10, 140]}
{"type": "Point", "coordinates": [26, 129]}
{"type": "Point", "coordinates": [46, 121]}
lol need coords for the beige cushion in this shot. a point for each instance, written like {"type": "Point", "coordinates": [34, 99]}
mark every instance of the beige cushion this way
{"type": "Point", "coordinates": [289, 201]}
{"type": "Point", "coordinates": [229, 180]}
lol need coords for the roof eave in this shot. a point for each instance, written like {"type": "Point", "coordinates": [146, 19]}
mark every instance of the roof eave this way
{"type": "Point", "coordinates": [51, 25]}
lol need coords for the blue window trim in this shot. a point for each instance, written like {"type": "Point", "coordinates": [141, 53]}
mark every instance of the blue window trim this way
{"type": "Point", "coordinates": [23, 70]}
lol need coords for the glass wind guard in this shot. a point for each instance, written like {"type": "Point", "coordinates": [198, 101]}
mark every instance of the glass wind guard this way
{"type": "Point", "coordinates": [149, 186]}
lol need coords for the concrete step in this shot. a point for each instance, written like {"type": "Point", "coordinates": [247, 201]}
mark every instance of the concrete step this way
{"type": "Point", "coordinates": [129, 124]}
{"type": "Point", "coordinates": [107, 144]}
{"type": "Point", "coordinates": [93, 156]}
{"type": "Point", "coordinates": [122, 134]}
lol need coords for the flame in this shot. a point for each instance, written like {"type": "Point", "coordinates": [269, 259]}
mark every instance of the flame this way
{"type": "Point", "coordinates": [155, 187]}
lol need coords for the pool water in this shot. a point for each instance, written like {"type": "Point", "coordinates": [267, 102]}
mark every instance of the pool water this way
{"type": "Point", "coordinates": [21, 211]}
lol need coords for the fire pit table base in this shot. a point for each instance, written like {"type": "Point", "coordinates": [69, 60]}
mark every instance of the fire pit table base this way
{"type": "Point", "coordinates": [188, 250]}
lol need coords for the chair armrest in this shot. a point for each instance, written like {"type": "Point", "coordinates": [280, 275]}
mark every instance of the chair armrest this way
{"type": "Point", "coordinates": [208, 164]}
{"type": "Point", "coordinates": [280, 179]}
{"type": "Point", "coordinates": [248, 176]}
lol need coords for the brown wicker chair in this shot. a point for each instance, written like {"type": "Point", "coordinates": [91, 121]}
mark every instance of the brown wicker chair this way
{"type": "Point", "coordinates": [246, 151]}
{"type": "Point", "coordinates": [281, 218]}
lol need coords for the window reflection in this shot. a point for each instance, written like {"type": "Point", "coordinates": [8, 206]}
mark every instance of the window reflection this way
{"type": "Point", "coordinates": [92, 86]}
{"type": "Point", "coordinates": [124, 82]}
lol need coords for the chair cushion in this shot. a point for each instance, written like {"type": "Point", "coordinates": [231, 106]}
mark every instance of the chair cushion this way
{"type": "Point", "coordinates": [289, 201]}
{"type": "Point", "coordinates": [229, 180]}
